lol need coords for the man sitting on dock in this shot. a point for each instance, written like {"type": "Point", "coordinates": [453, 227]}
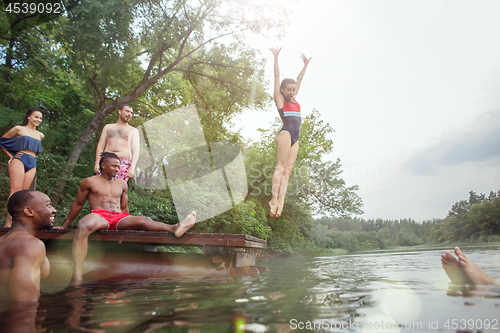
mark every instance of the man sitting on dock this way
{"type": "Point", "coordinates": [23, 260]}
{"type": "Point", "coordinates": [107, 198]}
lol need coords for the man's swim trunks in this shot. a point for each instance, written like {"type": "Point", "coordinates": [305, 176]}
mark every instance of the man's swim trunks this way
{"type": "Point", "coordinates": [290, 114]}
{"type": "Point", "coordinates": [113, 218]}
{"type": "Point", "coordinates": [124, 166]}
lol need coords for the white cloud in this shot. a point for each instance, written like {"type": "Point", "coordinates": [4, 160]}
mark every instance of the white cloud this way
{"type": "Point", "coordinates": [477, 142]}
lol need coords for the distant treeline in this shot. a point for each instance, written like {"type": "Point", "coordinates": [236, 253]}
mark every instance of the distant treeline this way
{"type": "Point", "coordinates": [468, 220]}
{"type": "Point", "coordinates": [476, 219]}
{"type": "Point", "coordinates": [358, 234]}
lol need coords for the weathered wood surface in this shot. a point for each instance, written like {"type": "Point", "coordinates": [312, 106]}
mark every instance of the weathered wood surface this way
{"type": "Point", "coordinates": [157, 237]}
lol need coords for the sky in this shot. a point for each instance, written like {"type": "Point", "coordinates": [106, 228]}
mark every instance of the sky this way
{"type": "Point", "coordinates": [412, 90]}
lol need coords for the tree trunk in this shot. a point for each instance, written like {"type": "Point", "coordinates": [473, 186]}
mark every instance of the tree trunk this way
{"type": "Point", "coordinates": [82, 142]}
{"type": "Point", "coordinates": [91, 128]}
{"type": "Point", "coordinates": [8, 60]}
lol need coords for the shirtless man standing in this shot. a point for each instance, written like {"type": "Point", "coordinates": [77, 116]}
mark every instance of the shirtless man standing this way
{"type": "Point", "coordinates": [23, 260]}
{"type": "Point", "coordinates": [107, 198]}
{"type": "Point", "coordinates": [123, 140]}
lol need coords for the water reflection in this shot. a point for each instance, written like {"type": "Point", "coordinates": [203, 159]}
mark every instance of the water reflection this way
{"type": "Point", "coordinates": [404, 289]}
{"type": "Point", "coordinates": [20, 317]}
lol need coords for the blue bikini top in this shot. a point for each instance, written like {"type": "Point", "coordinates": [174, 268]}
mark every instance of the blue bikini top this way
{"type": "Point", "coordinates": [16, 144]}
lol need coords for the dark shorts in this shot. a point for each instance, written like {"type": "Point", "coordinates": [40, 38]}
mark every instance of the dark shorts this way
{"type": "Point", "coordinates": [28, 160]}
{"type": "Point", "coordinates": [113, 218]}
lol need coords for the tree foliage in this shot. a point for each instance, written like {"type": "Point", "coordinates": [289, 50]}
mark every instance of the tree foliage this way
{"type": "Point", "coordinates": [315, 186]}
{"type": "Point", "coordinates": [121, 49]}
{"type": "Point", "coordinates": [159, 55]}
{"type": "Point", "coordinates": [354, 234]}
{"type": "Point", "coordinates": [476, 218]}
{"type": "Point", "coordinates": [314, 183]}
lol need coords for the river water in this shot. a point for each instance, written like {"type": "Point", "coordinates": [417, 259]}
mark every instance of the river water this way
{"type": "Point", "coordinates": [365, 292]}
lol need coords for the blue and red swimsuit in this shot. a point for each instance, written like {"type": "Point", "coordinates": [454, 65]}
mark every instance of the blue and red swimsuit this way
{"type": "Point", "coordinates": [290, 114]}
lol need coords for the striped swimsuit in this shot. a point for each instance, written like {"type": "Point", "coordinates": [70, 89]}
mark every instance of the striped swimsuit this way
{"type": "Point", "coordinates": [290, 114]}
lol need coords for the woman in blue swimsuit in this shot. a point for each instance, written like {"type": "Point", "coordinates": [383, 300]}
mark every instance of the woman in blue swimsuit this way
{"type": "Point", "coordinates": [288, 137]}
{"type": "Point", "coordinates": [22, 145]}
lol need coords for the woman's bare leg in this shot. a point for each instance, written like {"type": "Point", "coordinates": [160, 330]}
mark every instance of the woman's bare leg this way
{"type": "Point", "coordinates": [292, 157]}
{"type": "Point", "coordinates": [283, 151]}
{"type": "Point", "coordinates": [28, 178]}
{"type": "Point", "coordinates": [16, 178]}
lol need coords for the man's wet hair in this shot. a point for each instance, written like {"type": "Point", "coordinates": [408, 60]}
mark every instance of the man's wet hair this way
{"type": "Point", "coordinates": [106, 156]}
{"type": "Point", "coordinates": [18, 201]}
{"type": "Point", "coordinates": [124, 105]}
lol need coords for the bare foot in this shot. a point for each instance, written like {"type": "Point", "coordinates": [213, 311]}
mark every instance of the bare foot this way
{"type": "Point", "coordinates": [274, 208]}
{"type": "Point", "coordinates": [453, 269]}
{"type": "Point", "coordinates": [280, 209]}
{"type": "Point", "coordinates": [475, 274]}
{"type": "Point", "coordinates": [185, 225]}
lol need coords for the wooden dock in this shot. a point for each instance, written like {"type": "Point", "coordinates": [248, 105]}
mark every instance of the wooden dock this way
{"type": "Point", "coordinates": [157, 238]}
{"type": "Point", "coordinates": [130, 254]}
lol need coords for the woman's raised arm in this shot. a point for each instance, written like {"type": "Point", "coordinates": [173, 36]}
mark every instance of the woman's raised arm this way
{"type": "Point", "coordinates": [302, 72]}
{"type": "Point", "coordinates": [278, 97]}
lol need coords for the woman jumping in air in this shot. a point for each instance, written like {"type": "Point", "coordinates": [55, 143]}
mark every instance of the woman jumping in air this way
{"type": "Point", "coordinates": [288, 137]}
{"type": "Point", "coordinates": [22, 145]}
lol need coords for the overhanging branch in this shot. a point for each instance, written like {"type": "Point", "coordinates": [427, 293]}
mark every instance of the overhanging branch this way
{"type": "Point", "coordinates": [322, 202]}
{"type": "Point", "coordinates": [223, 82]}
{"type": "Point", "coordinates": [151, 107]}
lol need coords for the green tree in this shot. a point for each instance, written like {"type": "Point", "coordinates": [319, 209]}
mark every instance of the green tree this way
{"type": "Point", "coordinates": [161, 54]}
{"type": "Point", "coordinates": [314, 184]}
{"type": "Point", "coordinates": [460, 208]}
{"type": "Point", "coordinates": [469, 219]}
{"type": "Point", "coordinates": [320, 234]}
{"type": "Point", "coordinates": [483, 219]}
{"type": "Point", "coordinates": [23, 33]}
{"type": "Point", "coordinates": [121, 49]}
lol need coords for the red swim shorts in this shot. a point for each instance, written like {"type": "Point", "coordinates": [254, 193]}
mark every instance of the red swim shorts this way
{"type": "Point", "coordinates": [113, 218]}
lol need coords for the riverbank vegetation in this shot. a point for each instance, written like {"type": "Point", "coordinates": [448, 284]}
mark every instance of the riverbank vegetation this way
{"type": "Point", "coordinates": [473, 221]}
{"type": "Point", "coordinates": [78, 66]}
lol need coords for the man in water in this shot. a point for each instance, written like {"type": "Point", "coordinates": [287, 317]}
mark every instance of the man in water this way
{"type": "Point", "coordinates": [23, 260]}
{"type": "Point", "coordinates": [107, 198]}
{"type": "Point", "coordinates": [123, 140]}
{"type": "Point", "coordinates": [463, 270]}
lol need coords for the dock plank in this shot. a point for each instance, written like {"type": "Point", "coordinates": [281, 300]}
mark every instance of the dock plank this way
{"type": "Point", "coordinates": [157, 237]}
